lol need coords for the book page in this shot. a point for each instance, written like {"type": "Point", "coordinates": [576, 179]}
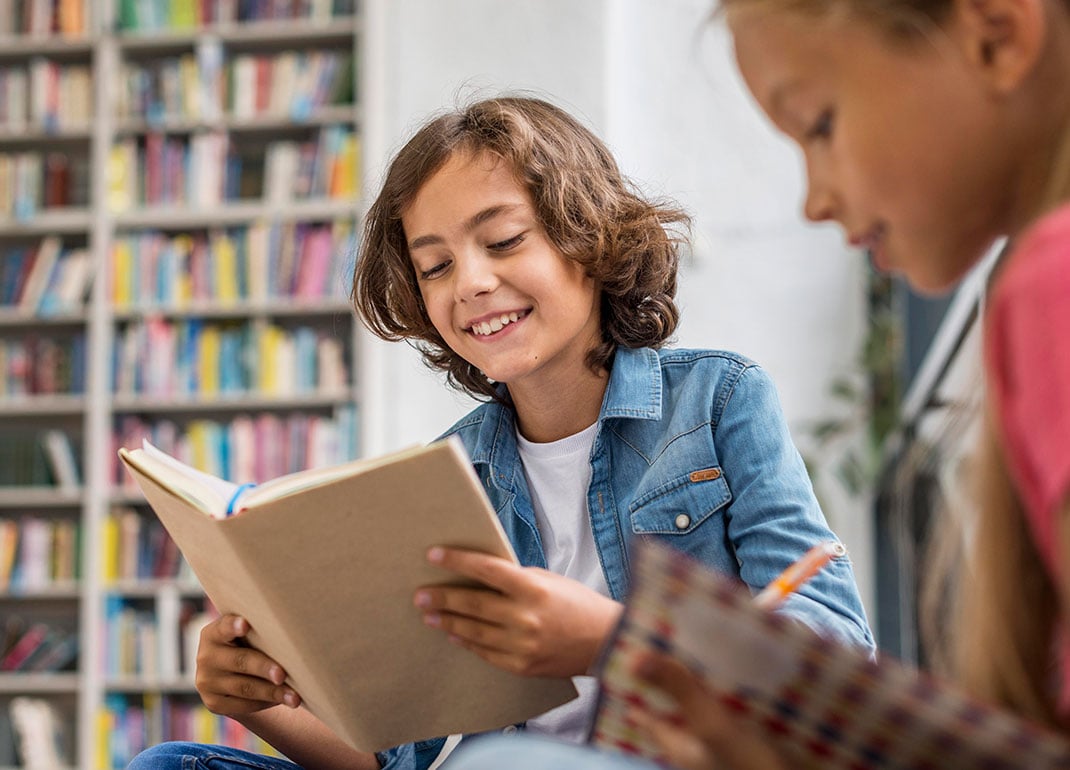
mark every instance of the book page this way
{"type": "Point", "coordinates": [292, 483]}
{"type": "Point", "coordinates": [204, 491]}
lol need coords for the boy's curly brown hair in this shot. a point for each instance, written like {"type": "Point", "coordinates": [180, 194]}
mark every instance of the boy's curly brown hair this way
{"type": "Point", "coordinates": [593, 215]}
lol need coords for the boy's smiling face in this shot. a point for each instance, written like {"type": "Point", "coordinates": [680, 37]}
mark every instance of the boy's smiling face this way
{"type": "Point", "coordinates": [495, 287]}
{"type": "Point", "coordinates": [904, 142]}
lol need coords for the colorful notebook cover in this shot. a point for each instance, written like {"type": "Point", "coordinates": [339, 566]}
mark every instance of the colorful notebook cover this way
{"type": "Point", "coordinates": [824, 704]}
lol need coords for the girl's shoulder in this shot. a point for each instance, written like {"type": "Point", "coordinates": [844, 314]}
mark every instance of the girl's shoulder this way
{"type": "Point", "coordinates": [1053, 225]}
{"type": "Point", "coordinates": [1042, 253]}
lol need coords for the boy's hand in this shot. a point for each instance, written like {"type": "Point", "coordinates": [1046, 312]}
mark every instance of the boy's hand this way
{"type": "Point", "coordinates": [528, 620]}
{"type": "Point", "coordinates": [234, 679]}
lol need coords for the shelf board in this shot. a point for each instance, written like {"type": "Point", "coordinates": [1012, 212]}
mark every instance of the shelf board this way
{"type": "Point", "coordinates": [170, 217]}
{"type": "Point", "coordinates": [149, 588]}
{"type": "Point", "coordinates": [277, 31]}
{"type": "Point", "coordinates": [39, 497]}
{"type": "Point", "coordinates": [12, 316]}
{"type": "Point", "coordinates": [49, 222]}
{"type": "Point", "coordinates": [38, 135]}
{"type": "Point", "coordinates": [18, 46]}
{"type": "Point", "coordinates": [59, 591]}
{"type": "Point", "coordinates": [137, 684]}
{"type": "Point", "coordinates": [128, 497]}
{"type": "Point", "coordinates": [26, 406]}
{"type": "Point", "coordinates": [327, 306]}
{"type": "Point", "coordinates": [39, 683]}
{"type": "Point", "coordinates": [178, 125]}
{"type": "Point", "coordinates": [244, 402]}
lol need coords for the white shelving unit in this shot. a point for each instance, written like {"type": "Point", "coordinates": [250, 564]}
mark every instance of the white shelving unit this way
{"type": "Point", "coordinates": [80, 697]}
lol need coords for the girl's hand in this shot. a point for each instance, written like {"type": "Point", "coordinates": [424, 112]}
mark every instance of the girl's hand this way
{"type": "Point", "coordinates": [704, 735]}
{"type": "Point", "coordinates": [234, 679]}
{"type": "Point", "coordinates": [527, 620]}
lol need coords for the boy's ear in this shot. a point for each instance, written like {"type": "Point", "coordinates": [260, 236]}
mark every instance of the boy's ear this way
{"type": "Point", "coordinates": [1003, 39]}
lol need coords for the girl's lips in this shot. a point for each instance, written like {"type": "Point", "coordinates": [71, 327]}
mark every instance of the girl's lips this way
{"type": "Point", "coordinates": [874, 246]}
{"type": "Point", "coordinates": [879, 257]}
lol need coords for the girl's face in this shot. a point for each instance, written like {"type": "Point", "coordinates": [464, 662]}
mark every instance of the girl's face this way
{"type": "Point", "coordinates": [902, 142]}
{"type": "Point", "coordinates": [495, 287]}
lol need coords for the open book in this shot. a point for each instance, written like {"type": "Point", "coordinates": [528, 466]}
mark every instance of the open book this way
{"type": "Point", "coordinates": [823, 705]}
{"type": "Point", "coordinates": [324, 564]}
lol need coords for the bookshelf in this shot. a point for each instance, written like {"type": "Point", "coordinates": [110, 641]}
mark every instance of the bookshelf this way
{"type": "Point", "coordinates": [179, 202]}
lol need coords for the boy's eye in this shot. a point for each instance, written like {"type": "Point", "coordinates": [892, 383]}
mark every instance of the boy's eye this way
{"type": "Point", "coordinates": [822, 127]}
{"type": "Point", "coordinates": [507, 244]}
{"type": "Point", "coordinates": [433, 271]}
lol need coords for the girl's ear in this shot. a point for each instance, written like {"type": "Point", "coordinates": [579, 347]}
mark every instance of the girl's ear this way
{"type": "Point", "coordinates": [1002, 39]}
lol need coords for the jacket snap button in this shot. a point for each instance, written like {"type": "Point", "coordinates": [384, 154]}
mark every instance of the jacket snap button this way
{"type": "Point", "coordinates": [683, 521]}
{"type": "Point", "coordinates": [509, 729]}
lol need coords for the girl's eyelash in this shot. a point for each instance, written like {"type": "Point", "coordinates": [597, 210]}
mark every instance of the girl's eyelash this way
{"type": "Point", "coordinates": [822, 127]}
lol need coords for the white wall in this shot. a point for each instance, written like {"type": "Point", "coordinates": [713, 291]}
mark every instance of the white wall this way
{"type": "Point", "coordinates": [658, 83]}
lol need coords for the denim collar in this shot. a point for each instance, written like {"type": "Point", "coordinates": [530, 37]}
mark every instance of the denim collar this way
{"type": "Point", "coordinates": [634, 388]}
{"type": "Point", "coordinates": [634, 392]}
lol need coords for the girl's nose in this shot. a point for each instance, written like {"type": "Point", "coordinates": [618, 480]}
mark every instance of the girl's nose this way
{"type": "Point", "coordinates": [820, 204]}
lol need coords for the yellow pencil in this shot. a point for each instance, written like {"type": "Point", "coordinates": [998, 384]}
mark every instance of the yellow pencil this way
{"type": "Point", "coordinates": [798, 573]}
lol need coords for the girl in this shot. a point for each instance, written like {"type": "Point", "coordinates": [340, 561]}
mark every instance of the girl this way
{"type": "Point", "coordinates": [507, 246]}
{"type": "Point", "coordinates": [930, 128]}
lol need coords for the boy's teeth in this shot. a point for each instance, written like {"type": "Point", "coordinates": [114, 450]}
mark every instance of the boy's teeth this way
{"type": "Point", "coordinates": [495, 324]}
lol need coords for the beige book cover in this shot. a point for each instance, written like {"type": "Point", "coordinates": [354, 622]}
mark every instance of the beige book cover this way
{"type": "Point", "coordinates": [324, 565]}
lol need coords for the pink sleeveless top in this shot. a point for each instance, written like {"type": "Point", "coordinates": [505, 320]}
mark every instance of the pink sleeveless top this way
{"type": "Point", "coordinates": [1027, 357]}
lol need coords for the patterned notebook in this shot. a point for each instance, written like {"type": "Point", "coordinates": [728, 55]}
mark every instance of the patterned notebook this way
{"type": "Point", "coordinates": [825, 705]}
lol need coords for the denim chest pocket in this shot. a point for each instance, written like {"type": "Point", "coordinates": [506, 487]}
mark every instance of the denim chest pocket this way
{"type": "Point", "coordinates": [679, 505]}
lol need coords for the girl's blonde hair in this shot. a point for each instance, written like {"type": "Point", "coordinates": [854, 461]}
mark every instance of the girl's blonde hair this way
{"type": "Point", "coordinates": [988, 603]}
{"type": "Point", "coordinates": [591, 213]}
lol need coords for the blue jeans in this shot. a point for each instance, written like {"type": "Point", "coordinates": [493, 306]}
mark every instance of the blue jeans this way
{"type": "Point", "coordinates": [198, 756]}
{"type": "Point", "coordinates": [527, 752]}
{"type": "Point", "coordinates": [492, 752]}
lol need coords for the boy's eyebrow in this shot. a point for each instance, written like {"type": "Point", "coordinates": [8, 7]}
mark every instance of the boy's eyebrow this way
{"type": "Point", "coordinates": [474, 222]}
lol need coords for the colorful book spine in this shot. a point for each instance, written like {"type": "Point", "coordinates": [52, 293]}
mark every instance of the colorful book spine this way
{"type": "Point", "coordinates": [248, 448]}
{"type": "Point", "coordinates": [255, 263]}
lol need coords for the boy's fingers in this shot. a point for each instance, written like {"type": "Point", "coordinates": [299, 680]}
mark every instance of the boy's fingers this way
{"type": "Point", "coordinates": [470, 602]}
{"type": "Point", "coordinates": [246, 660]}
{"type": "Point", "coordinates": [227, 633]}
{"type": "Point", "coordinates": [490, 570]}
{"type": "Point", "coordinates": [249, 688]}
{"type": "Point", "coordinates": [227, 628]}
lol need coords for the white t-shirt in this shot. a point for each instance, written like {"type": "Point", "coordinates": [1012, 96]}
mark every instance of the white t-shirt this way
{"type": "Point", "coordinates": [558, 475]}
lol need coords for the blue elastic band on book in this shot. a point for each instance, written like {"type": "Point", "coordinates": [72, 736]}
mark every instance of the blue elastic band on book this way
{"type": "Point", "coordinates": [235, 496]}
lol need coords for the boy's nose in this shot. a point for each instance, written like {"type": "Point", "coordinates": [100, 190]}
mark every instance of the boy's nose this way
{"type": "Point", "coordinates": [473, 275]}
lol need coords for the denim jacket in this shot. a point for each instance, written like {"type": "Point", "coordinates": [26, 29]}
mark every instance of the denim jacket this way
{"type": "Point", "coordinates": [692, 449]}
